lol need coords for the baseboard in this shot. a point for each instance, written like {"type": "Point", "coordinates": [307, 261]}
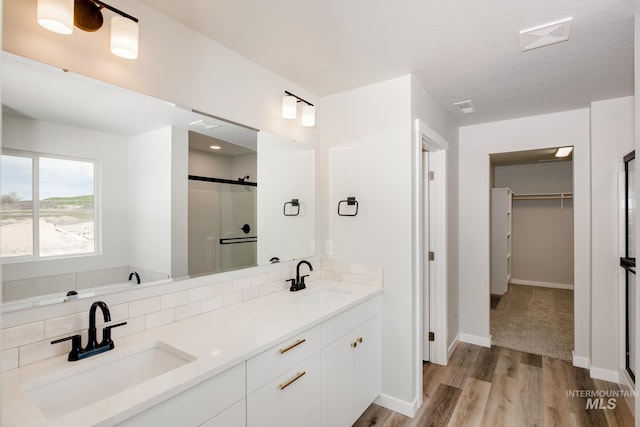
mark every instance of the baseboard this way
{"type": "Point", "coordinates": [581, 362]}
{"type": "Point", "coordinates": [475, 339]}
{"type": "Point", "coordinates": [452, 346]}
{"type": "Point", "coordinates": [605, 375]}
{"type": "Point", "coordinates": [405, 408]}
{"type": "Point", "coordinates": [542, 284]}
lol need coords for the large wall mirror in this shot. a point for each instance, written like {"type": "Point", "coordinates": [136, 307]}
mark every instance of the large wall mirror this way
{"type": "Point", "coordinates": [103, 188]}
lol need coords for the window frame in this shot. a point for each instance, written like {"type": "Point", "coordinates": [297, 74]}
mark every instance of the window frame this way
{"type": "Point", "coordinates": [35, 185]}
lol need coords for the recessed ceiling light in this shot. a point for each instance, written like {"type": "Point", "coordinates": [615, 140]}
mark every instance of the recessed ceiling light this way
{"type": "Point", "coordinates": [202, 123]}
{"type": "Point", "coordinates": [215, 147]}
{"type": "Point", "coordinates": [544, 35]}
{"type": "Point", "coordinates": [564, 151]}
{"type": "Point", "coordinates": [465, 107]}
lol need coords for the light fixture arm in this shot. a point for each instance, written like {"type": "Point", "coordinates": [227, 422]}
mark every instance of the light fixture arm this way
{"type": "Point", "coordinates": [298, 98]}
{"type": "Point", "coordinates": [113, 9]}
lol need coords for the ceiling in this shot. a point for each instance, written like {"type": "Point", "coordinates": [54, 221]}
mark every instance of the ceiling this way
{"type": "Point", "coordinates": [459, 50]}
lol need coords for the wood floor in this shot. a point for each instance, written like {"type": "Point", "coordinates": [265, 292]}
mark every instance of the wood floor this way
{"type": "Point", "coordinates": [500, 387]}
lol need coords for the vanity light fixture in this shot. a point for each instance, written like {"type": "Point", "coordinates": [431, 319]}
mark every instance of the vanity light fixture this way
{"type": "Point", "coordinates": [60, 16]}
{"type": "Point", "coordinates": [564, 151]}
{"type": "Point", "coordinates": [290, 109]}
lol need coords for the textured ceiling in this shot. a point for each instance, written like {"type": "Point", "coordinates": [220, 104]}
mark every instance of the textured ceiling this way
{"type": "Point", "coordinates": [459, 50]}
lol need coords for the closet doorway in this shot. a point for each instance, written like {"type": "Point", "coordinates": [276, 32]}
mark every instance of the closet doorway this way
{"type": "Point", "coordinates": [532, 263]}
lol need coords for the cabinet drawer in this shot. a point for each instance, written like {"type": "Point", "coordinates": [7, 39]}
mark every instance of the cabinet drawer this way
{"type": "Point", "coordinates": [236, 416]}
{"type": "Point", "coordinates": [345, 322]}
{"type": "Point", "coordinates": [289, 400]}
{"type": "Point", "coordinates": [197, 404]}
{"type": "Point", "coordinates": [273, 362]}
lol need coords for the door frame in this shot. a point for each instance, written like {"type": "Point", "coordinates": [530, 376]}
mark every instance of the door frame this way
{"type": "Point", "coordinates": [438, 148]}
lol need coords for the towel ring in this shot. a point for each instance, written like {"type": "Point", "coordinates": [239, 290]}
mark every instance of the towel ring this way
{"type": "Point", "coordinates": [292, 203]}
{"type": "Point", "coordinates": [351, 201]}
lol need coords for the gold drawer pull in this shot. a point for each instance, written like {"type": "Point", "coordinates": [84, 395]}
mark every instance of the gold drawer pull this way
{"type": "Point", "coordinates": [354, 344]}
{"type": "Point", "coordinates": [294, 345]}
{"type": "Point", "coordinates": [292, 380]}
{"type": "Point", "coordinates": [360, 340]}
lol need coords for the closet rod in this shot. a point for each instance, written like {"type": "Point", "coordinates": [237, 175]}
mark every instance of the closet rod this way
{"type": "Point", "coordinates": [543, 196]}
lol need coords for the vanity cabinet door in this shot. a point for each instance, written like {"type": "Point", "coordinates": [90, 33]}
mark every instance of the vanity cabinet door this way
{"type": "Point", "coordinates": [351, 374]}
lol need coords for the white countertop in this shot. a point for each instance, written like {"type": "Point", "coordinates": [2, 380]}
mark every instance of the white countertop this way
{"type": "Point", "coordinates": [218, 340]}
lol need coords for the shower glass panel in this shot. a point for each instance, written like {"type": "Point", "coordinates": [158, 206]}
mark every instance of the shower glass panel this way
{"type": "Point", "coordinates": [628, 262]}
{"type": "Point", "coordinates": [238, 243]}
{"type": "Point", "coordinates": [219, 214]}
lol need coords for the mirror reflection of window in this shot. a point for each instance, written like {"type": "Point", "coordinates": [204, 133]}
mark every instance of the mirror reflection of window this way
{"type": "Point", "coordinates": [54, 193]}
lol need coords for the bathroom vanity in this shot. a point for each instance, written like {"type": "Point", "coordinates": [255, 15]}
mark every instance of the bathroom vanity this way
{"type": "Point", "coordinates": [307, 358]}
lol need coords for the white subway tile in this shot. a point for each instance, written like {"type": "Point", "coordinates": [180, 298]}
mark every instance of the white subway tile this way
{"type": "Point", "coordinates": [231, 299]}
{"type": "Point", "coordinates": [144, 306]}
{"type": "Point", "coordinates": [188, 310]}
{"type": "Point", "coordinates": [241, 284]}
{"type": "Point", "coordinates": [41, 350]}
{"type": "Point", "coordinates": [134, 325]}
{"type": "Point", "coordinates": [267, 288]}
{"type": "Point", "coordinates": [21, 335]}
{"type": "Point", "coordinates": [249, 294]}
{"type": "Point", "coordinates": [258, 280]}
{"type": "Point", "coordinates": [199, 294]}
{"type": "Point", "coordinates": [67, 325]}
{"type": "Point", "coordinates": [348, 277]}
{"type": "Point", "coordinates": [211, 304]}
{"type": "Point", "coordinates": [333, 275]}
{"type": "Point", "coordinates": [9, 359]}
{"type": "Point", "coordinates": [174, 299]}
{"type": "Point", "coordinates": [160, 318]}
{"type": "Point", "coordinates": [223, 288]}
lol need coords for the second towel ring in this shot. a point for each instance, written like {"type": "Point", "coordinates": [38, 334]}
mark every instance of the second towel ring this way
{"type": "Point", "coordinates": [292, 203]}
{"type": "Point", "coordinates": [351, 201]}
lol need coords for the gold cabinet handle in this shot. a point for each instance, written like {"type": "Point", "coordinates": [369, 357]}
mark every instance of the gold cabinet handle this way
{"type": "Point", "coordinates": [354, 344]}
{"type": "Point", "coordinates": [292, 380]}
{"type": "Point", "coordinates": [292, 346]}
{"type": "Point", "coordinates": [359, 340]}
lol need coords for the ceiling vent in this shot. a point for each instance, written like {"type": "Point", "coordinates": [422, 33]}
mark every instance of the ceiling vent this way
{"type": "Point", "coordinates": [465, 107]}
{"type": "Point", "coordinates": [545, 35]}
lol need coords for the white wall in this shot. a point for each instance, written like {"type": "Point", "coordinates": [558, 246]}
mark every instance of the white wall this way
{"type": "Point", "coordinates": [368, 148]}
{"type": "Point", "coordinates": [476, 144]}
{"type": "Point", "coordinates": [424, 106]}
{"type": "Point", "coordinates": [286, 170]}
{"type": "Point", "coordinates": [44, 137]}
{"type": "Point", "coordinates": [150, 200]}
{"type": "Point", "coordinates": [367, 133]}
{"type": "Point", "coordinates": [612, 127]}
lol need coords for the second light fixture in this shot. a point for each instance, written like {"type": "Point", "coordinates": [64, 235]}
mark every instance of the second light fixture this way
{"type": "Point", "coordinates": [290, 109]}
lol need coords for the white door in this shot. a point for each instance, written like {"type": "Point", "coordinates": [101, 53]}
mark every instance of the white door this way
{"type": "Point", "coordinates": [425, 260]}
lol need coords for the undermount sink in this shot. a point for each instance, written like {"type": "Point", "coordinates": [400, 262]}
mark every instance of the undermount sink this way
{"type": "Point", "coordinates": [78, 386]}
{"type": "Point", "coordinates": [323, 296]}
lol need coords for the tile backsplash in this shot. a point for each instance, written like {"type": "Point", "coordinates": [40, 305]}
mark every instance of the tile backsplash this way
{"type": "Point", "coordinates": [31, 342]}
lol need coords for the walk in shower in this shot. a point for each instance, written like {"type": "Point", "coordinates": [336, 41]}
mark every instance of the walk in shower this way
{"type": "Point", "coordinates": [222, 208]}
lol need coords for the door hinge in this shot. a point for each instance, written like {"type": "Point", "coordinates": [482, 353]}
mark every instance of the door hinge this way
{"type": "Point", "coordinates": [432, 336]}
{"type": "Point", "coordinates": [432, 256]}
{"type": "Point", "coordinates": [432, 175]}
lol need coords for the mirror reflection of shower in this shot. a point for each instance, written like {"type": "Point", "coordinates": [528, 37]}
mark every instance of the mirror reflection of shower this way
{"type": "Point", "coordinates": [222, 205]}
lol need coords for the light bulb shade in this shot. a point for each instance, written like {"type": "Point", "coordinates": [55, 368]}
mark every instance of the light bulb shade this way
{"type": "Point", "coordinates": [56, 15]}
{"type": "Point", "coordinates": [308, 115]}
{"type": "Point", "coordinates": [124, 37]}
{"type": "Point", "coordinates": [289, 107]}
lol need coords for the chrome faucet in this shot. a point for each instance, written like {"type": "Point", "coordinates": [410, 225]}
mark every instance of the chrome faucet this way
{"type": "Point", "coordinates": [298, 284]}
{"type": "Point", "coordinates": [93, 347]}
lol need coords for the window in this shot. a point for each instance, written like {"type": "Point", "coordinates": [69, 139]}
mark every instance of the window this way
{"type": "Point", "coordinates": [47, 206]}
